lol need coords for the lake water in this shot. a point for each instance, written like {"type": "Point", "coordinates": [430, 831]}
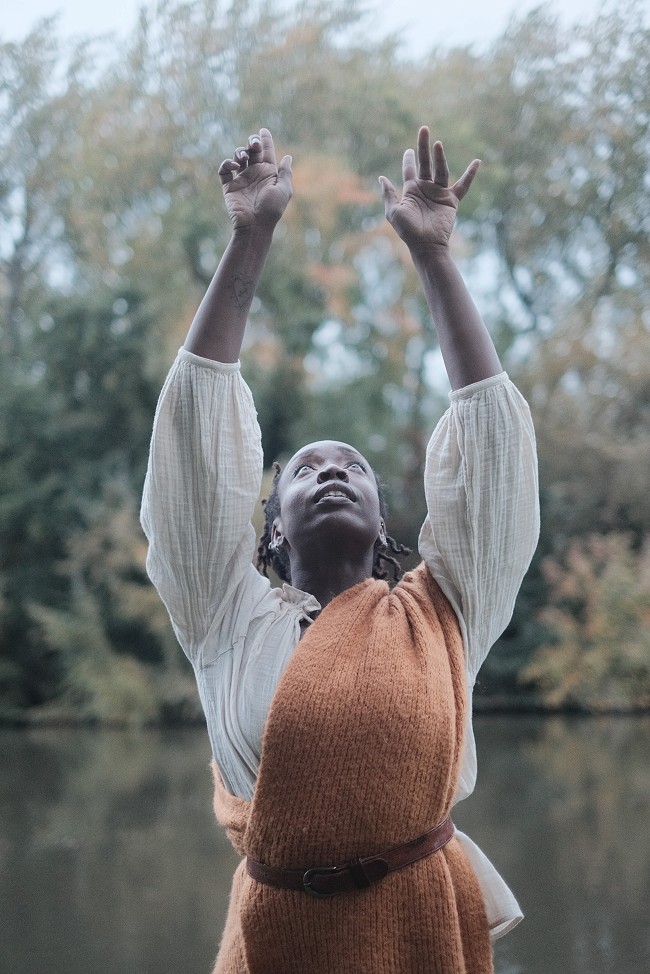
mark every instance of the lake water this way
{"type": "Point", "coordinates": [111, 861]}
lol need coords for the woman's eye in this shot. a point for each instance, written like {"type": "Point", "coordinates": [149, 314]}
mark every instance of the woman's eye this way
{"type": "Point", "coordinates": [355, 463]}
{"type": "Point", "coordinates": [303, 466]}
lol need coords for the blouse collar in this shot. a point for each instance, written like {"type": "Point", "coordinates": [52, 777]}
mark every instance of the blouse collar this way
{"type": "Point", "coordinates": [303, 600]}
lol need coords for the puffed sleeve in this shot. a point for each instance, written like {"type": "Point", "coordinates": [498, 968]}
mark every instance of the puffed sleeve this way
{"type": "Point", "coordinates": [483, 508]}
{"type": "Point", "coordinates": [202, 484]}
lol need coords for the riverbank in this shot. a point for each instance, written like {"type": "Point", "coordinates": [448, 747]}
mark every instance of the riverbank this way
{"type": "Point", "coordinates": [482, 705]}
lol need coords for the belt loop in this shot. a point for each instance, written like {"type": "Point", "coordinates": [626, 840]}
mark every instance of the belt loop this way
{"type": "Point", "coordinates": [359, 874]}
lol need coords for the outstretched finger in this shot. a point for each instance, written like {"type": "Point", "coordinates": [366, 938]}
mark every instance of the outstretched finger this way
{"type": "Point", "coordinates": [268, 149]}
{"type": "Point", "coordinates": [284, 173]}
{"type": "Point", "coordinates": [389, 194]}
{"type": "Point", "coordinates": [408, 166]}
{"type": "Point", "coordinates": [254, 149]}
{"type": "Point", "coordinates": [441, 168]}
{"type": "Point", "coordinates": [425, 161]}
{"type": "Point", "coordinates": [461, 185]}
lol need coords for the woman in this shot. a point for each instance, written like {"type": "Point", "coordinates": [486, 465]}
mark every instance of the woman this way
{"type": "Point", "coordinates": [339, 710]}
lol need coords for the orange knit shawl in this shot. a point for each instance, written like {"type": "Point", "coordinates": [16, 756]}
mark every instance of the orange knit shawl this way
{"type": "Point", "coordinates": [361, 752]}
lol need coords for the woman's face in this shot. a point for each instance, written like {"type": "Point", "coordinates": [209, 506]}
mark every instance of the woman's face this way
{"type": "Point", "coordinates": [328, 497]}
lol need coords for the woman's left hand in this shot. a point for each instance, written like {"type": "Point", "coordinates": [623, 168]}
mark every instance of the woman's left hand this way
{"type": "Point", "coordinates": [256, 188]}
{"type": "Point", "coordinates": [425, 215]}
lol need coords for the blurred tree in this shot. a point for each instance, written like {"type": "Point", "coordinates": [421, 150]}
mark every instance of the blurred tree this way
{"type": "Point", "coordinates": [112, 225]}
{"type": "Point", "coordinates": [598, 615]}
{"type": "Point", "coordinates": [136, 204]}
{"type": "Point", "coordinates": [42, 86]}
{"type": "Point", "coordinates": [562, 233]}
{"type": "Point", "coordinates": [563, 117]}
{"type": "Point", "coordinates": [77, 423]}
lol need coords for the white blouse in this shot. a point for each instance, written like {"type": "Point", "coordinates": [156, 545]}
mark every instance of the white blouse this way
{"type": "Point", "coordinates": [203, 482]}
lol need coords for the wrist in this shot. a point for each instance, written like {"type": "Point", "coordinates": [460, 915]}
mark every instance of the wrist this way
{"type": "Point", "coordinates": [427, 254]}
{"type": "Point", "coordinates": [254, 233]}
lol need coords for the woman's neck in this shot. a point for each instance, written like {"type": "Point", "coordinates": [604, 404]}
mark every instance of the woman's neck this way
{"type": "Point", "coordinates": [326, 582]}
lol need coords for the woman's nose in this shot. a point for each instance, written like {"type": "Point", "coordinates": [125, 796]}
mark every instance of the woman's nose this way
{"type": "Point", "coordinates": [332, 472]}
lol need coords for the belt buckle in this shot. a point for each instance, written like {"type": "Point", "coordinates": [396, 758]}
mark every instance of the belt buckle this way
{"type": "Point", "coordinates": [316, 871]}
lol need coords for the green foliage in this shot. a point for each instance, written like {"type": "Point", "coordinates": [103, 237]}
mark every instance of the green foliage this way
{"type": "Point", "coordinates": [598, 615]}
{"type": "Point", "coordinates": [112, 224]}
{"type": "Point", "coordinates": [74, 430]}
{"type": "Point", "coordinates": [98, 684]}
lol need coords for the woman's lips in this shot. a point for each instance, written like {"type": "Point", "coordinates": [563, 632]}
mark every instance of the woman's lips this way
{"type": "Point", "coordinates": [334, 492]}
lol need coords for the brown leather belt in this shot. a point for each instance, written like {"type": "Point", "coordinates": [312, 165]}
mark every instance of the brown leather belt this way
{"type": "Point", "coordinates": [357, 874]}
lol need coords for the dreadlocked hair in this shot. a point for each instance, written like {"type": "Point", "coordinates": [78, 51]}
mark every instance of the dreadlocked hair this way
{"type": "Point", "coordinates": [278, 560]}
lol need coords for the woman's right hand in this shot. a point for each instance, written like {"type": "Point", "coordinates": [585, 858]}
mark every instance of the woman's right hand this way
{"type": "Point", "coordinates": [424, 216]}
{"type": "Point", "coordinates": [256, 189]}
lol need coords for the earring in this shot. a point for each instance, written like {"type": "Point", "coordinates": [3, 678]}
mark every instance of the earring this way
{"type": "Point", "coordinates": [276, 544]}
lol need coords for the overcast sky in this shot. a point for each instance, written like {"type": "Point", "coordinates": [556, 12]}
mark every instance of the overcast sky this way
{"type": "Point", "coordinates": [425, 23]}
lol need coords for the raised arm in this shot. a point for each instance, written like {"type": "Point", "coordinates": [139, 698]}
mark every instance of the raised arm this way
{"type": "Point", "coordinates": [424, 218]}
{"type": "Point", "coordinates": [205, 462]}
{"type": "Point", "coordinates": [256, 191]}
{"type": "Point", "coordinates": [481, 469]}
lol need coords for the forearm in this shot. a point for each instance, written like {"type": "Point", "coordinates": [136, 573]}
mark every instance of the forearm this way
{"type": "Point", "coordinates": [218, 327]}
{"type": "Point", "coordinates": [467, 349]}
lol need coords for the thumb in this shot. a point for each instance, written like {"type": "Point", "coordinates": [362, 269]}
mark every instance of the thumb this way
{"type": "Point", "coordinates": [284, 172]}
{"type": "Point", "coordinates": [389, 195]}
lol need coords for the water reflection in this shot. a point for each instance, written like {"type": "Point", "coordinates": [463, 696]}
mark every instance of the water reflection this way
{"type": "Point", "coordinates": [110, 859]}
{"type": "Point", "coordinates": [562, 808]}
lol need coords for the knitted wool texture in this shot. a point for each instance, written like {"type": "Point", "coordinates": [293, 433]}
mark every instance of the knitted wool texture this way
{"type": "Point", "coordinates": [361, 752]}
